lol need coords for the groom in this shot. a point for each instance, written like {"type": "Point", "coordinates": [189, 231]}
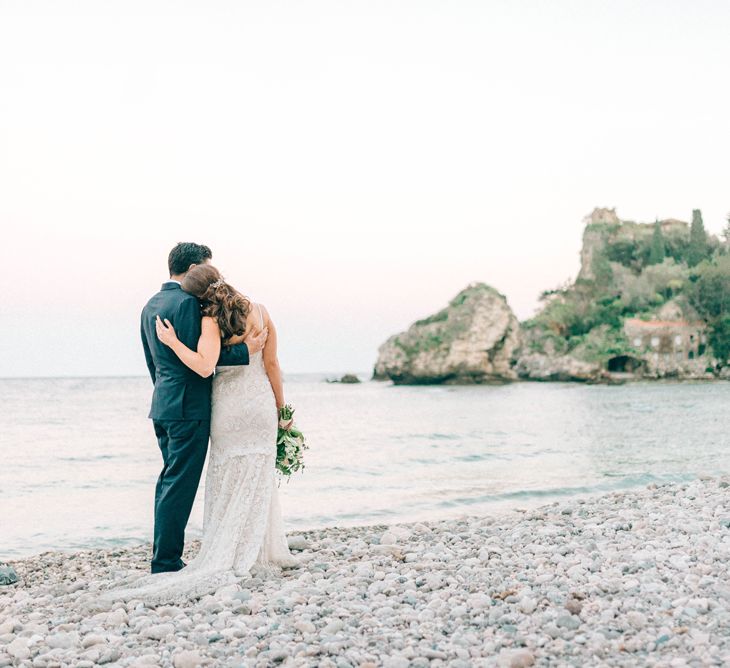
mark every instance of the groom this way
{"type": "Point", "coordinates": [180, 403]}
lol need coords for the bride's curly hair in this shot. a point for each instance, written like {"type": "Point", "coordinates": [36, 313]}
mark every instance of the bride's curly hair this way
{"type": "Point", "coordinates": [218, 299]}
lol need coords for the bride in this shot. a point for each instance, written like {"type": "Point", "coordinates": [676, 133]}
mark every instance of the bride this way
{"type": "Point", "coordinates": [242, 525]}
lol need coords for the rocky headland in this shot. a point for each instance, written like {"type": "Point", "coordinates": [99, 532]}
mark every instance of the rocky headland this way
{"type": "Point", "coordinates": [624, 579]}
{"type": "Point", "coordinates": [473, 339]}
{"type": "Point", "coordinates": [650, 301]}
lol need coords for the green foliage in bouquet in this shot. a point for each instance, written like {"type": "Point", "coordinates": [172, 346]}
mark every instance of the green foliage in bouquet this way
{"type": "Point", "coordinates": [290, 443]}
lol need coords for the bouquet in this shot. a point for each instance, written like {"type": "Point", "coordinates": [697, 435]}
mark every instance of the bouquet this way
{"type": "Point", "coordinates": [290, 444]}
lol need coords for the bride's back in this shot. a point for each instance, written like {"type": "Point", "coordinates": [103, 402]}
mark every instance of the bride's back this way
{"type": "Point", "coordinates": [243, 409]}
{"type": "Point", "coordinates": [256, 319]}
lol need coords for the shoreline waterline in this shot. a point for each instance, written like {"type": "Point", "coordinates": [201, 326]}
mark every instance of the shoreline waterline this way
{"type": "Point", "coordinates": [83, 458]}
{"type": "Point", "coordinates": [519, 501]}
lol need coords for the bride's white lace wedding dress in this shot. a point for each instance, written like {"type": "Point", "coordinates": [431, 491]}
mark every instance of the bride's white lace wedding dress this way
{"type": "Point", "coordinates": [242, 525]}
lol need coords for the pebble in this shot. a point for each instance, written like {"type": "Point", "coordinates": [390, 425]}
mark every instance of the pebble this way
{"type": "Point", "coordinates": [527, 605]}
{"type": "Point", "coordinates": [574, 606]}
{"type": "Point", "coordinates": [297, 542]}
{"type": "Point", "coordinates": [333, 627]}
{"type": "Point", "coordinates": [435, 654]}
{"type": "Point", "coordinates": [388, 538]}
{"type": "Point", "coordinates": [158, 631]}
{"type": "Point", "coordinates": [636, 619]}
{"type": "Point", "coordinates": [9, 626]}
{"type": "Point", "coordinates": [117, 617]}
{"type": "Point", "coordinates": [62, 640]}
{"type": "Point", "coordinates": [18, 649]}
{"type": "Point", "coordinates": [92, 639]}
{"type": "Point", "coordinates": [515, 658]}
{"type": "Point", "coordinates": [305, 626]}
{"type": "Point", "coordinates": [567, 622]}
{"type": "Point", "coordinates": [187, 659]}
{"type": "Point", "coordinates": [8, 575]}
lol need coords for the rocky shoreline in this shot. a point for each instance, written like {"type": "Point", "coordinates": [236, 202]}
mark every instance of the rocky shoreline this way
{"type": "Point", "coordinates": [647, 304]}
{"type": "Point", "coordinates": [623, 579]}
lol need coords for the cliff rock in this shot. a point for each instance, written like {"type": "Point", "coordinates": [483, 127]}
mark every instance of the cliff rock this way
{"type": "Point", "coordinates": [473, 340]}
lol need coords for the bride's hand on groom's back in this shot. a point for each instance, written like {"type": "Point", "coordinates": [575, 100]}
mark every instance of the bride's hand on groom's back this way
{"type": "Point", "coordinates": [165, 331]}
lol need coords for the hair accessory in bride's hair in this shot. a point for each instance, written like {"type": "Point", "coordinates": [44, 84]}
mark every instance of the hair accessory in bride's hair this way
{"type": "Point", "coordinates": [217, 283]}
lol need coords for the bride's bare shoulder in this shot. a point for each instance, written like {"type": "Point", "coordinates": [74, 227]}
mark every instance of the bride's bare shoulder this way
{"type": "Point", "coordinates": [256, 308]}
{"type": "Point", "coordinates": [256, 312]}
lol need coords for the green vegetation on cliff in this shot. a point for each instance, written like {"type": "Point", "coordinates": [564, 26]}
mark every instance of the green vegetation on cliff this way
{"type": "Point", "coordinates": [710, 294]}
{"type": "Point", "coordinates": [632, 270]}
{"type": "Point", "coordinates": [657, 251]}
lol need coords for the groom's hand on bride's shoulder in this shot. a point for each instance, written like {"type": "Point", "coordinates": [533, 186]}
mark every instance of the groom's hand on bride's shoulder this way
{"type": "Point", "coordinates": [256, 342]}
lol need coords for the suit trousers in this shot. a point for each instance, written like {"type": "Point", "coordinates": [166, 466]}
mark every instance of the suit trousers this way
{"type": "Point", "coordinates": [184, 445]}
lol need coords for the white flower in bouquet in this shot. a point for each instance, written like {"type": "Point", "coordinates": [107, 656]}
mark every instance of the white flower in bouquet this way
{"type": "Point", "coordinates": [290, 443]}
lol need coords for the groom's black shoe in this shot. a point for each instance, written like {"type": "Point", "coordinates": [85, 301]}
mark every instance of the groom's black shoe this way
{"type": "Point", "coordinates": [179, 567]}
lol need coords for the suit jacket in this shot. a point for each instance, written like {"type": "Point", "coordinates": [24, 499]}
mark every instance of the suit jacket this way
{"type": "Point", "coordinates": [180, 393]}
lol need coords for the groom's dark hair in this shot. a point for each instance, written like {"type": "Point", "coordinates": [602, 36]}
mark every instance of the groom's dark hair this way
{"type": "Point", "coordinates": [185, 254]}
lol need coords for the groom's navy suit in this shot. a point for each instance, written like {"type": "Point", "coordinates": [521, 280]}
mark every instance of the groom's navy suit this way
{"type": "Point", "coordinates": [181, 416]}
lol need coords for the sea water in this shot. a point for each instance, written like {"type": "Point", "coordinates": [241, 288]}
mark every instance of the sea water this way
{"type": "Point", "coordinates": [79, 461]}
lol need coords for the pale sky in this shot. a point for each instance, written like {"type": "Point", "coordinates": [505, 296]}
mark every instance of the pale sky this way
{"type": "Point", "coordinates": [353, 165]}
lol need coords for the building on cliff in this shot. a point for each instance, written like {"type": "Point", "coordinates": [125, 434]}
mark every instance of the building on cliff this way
{"type": "Point", "coordinates": [672, 344]}
{"type": "Point", "coordinates": [669, 347]}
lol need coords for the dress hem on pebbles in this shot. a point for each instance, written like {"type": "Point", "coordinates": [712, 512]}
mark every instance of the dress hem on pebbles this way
{"type": "Point", "coordinates": [630, 578]}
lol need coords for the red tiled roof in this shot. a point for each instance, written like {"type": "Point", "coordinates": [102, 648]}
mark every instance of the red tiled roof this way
{"type": "Point", "coordinates": [662, 323]}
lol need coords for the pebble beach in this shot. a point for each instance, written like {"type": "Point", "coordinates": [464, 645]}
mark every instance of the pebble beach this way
{"type": "Point", "coordinates": [633, 578]}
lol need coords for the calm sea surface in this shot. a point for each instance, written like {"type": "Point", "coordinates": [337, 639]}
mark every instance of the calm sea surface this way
{"type": "Point", "coordinates": [78, 459]}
